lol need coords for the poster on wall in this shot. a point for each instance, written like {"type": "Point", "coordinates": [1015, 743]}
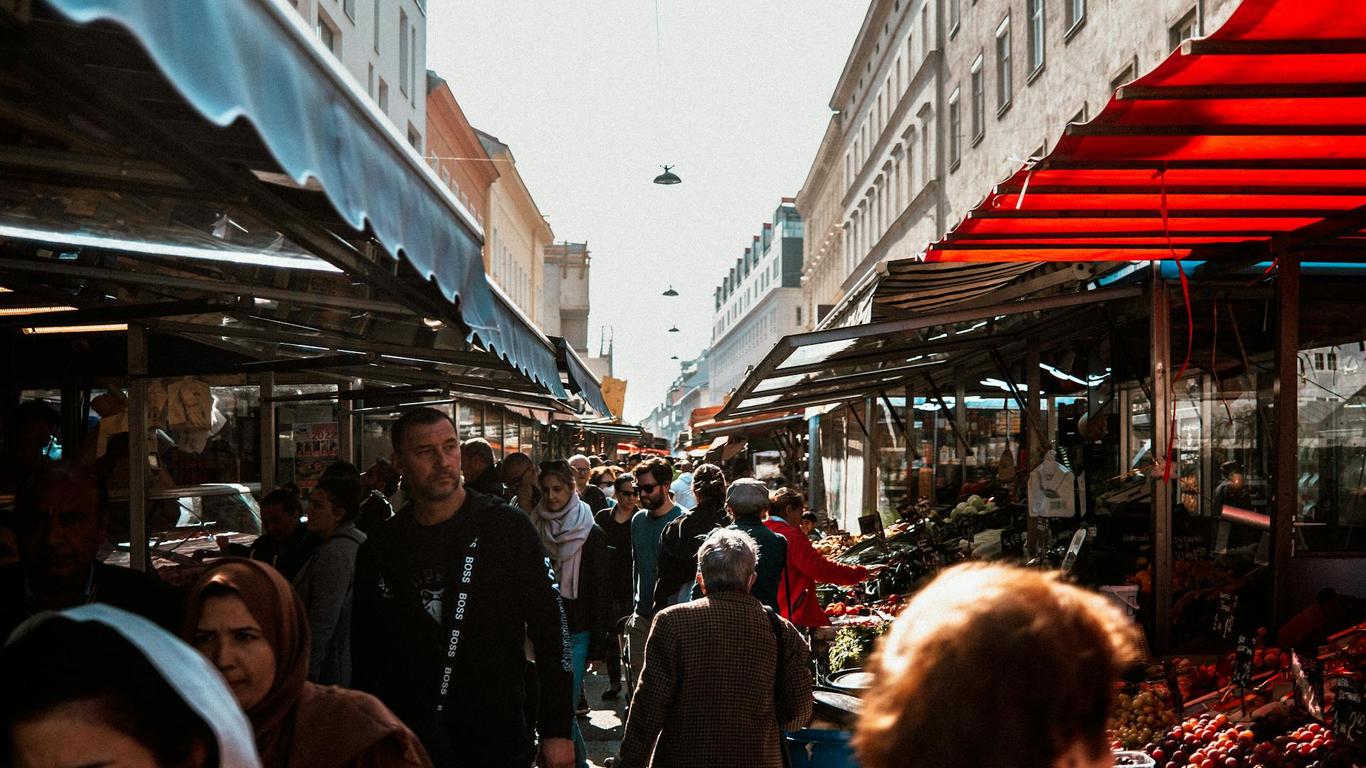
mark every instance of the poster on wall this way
{"type": "Point", "coordinates": [315, 447]}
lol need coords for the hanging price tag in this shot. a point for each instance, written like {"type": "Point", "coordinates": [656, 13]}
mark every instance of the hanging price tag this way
{"type": "Point", "coordinates": [1242, 662]}
{"type": "Point", "coordinates": [1307, 672]}
{"type": "Point", "coordinates": [1349, 717]}
{"type": "Point", "coordinates": [1226, 614]}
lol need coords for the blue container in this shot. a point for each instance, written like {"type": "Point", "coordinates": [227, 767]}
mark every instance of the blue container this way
{"type": "Point", "coordinates": [819, 748]}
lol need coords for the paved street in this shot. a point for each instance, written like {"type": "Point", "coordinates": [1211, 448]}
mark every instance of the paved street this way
{"type": "Point", "coordinates": [602, 727]}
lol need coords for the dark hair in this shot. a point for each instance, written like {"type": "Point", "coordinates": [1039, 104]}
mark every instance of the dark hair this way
{"type": "Point", "coordinates": [62, 662]}
{"type": "Point", "coordinates": [66, 475]}
{"type": "Point", "coordinates": [284, 499]}
{"type": "Point", "coordinates": [344, 493]}
{"type": "Point", "coordinates": [783, 500]}
{"type": "Point", "coordinates": [655, 468]}
{"type": "Point", "coordinates": [557, 469]}
{"type": "Point", "coordinates": [810, 517]}
{"type": "Point", "coordinates": [623, 478]}
{"type": "Point", "coordinates": [477, 447]}
{"type": "Point", "coordinates": [415, 417]}
{"type": "Point", "coordinates": [597, 474]}
{"type": "Point", "coordinates": [344, 469]}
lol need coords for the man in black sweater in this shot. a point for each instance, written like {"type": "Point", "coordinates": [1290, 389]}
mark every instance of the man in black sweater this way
{"type": "Point", "coordinates": [445, 597]}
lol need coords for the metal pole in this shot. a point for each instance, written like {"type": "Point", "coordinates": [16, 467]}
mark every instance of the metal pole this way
{"type": "Point", "coordinates": [912, 447]}
{"type": "Point", "coordinates": [1160, 327]}
{"type": "Point", "coordinates": [137, 446]}
{"type": "Point", "coordinates": [1031, 430]}
{"type": "Point", "coordinates": [1285, 501]}
{"type": "Point", "coordinates": [870, 456]}
{"type": "Point", "coordinates": [960, 415]}
{"type": "Point", "coordinates": [346, 426]}
{"type": "Point", "coordinates": [267, 436]}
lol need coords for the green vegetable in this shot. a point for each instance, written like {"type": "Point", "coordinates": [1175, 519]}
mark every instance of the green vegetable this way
{"type": "Point", "coordinates": [852, 646]}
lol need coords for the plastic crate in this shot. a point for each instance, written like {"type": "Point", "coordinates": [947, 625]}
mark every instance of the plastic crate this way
{"type": "Point", "coordinates": [819, 748]}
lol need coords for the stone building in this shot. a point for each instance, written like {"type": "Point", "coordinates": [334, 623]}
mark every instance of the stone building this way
{"type": "Point", "coordinates": [455, 152]}
{"type": "Point", "coordinates": [383, 44]}
{"type": "Point", "coordinates": [516, 235]}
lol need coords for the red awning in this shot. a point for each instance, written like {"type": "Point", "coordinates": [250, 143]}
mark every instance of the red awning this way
{"type": "Point", "coordinates": [1242, 143]}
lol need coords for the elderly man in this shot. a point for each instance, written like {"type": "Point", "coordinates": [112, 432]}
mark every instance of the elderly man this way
{"type": "Point", "coordinates": [747, 501]}
{"type": "Point", "coordinates": [727, 648]}
{"type": "Point", "coordinates": [589, 494]}
{"type": "Point", "coordinates": [477, 463]}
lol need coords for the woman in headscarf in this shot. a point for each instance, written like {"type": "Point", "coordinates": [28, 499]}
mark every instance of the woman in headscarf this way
{"type": "Point", "coordinates": [245, 618]}
{"type": "Point", "coordinates": [101, 686]}
{"type": "Point", "coordinates": [578, 550]}
{"type": "Point", "coordinates": [326, 583]}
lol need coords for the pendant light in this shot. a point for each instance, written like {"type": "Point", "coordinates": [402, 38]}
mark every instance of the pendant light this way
{"type": "Point", "coordinates": [671, 292]}
{"type": "Point", "coordinates": [668, 177]}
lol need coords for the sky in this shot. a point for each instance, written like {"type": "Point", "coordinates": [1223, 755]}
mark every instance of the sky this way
{"type": "Point", "coordinates": [593, 96]}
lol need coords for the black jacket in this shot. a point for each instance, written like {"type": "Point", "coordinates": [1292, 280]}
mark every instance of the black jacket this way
{"type": "Point", "coordinates": [678, 545]}
{"type": "Point", "coordinates": [288, 555]}
{"type": "Point", "coordinates": [772, 559]}
{"type": "Point", "coordinates": [488, 483]}
{"type": "Point", "coordinates": [399, 648]}
{"type": "Point", "coordinates": [589, 611]}
{"type": "Point", "coordinates": [618, 537]}
{"type": "Point", "coordinates": [125, 588]}
{"type": "Point", "coordinates": [373, 512]}
{"type": "Point", "coordinates": [595, 499]}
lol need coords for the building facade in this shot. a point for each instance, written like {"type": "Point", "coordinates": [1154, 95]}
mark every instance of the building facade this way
{"type": "Point", "coordinates": [455, 152]}
{"type": "Point", "coordinates": [940, 100]}
{"type": "Point", "coordinates": [565, 298]}
{"type": "Point", "coordinates": [383, 44]}
{"type": "Point", "coordinates": [516, 235]}
{"type": "Point", "coordinates": [759, 301]}
{"type": "Point", "coordinates": [689, 391]}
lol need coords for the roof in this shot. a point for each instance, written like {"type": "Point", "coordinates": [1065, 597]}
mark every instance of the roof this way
{"type": "Point", "coordinates": [1237, 145]}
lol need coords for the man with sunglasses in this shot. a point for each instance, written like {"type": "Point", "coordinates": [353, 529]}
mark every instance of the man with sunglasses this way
{"type": "Point", "coordinates": [518, 474]}
{"type": "Point", "coordinates": [652, 478]}
{"type": "Point", "coordinates": [615, 522]}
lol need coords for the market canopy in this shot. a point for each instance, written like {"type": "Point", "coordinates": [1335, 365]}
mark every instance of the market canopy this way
{"type": "Point", "coordinates": [1242, 144]}
{"type": "Point", "coordinates": [124, 135]}
{"type": "Point", "coordinates": [580, 380]}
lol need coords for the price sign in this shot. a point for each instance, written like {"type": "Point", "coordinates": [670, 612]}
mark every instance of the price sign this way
{"type": "Point", "coordinates": [1349, 717]}
{"type": "Point", "coordinates": [1012, 542]}
{"type": "Point", "coordinates": [1307, 672]}
{"type": "Point", "coordinates": [1226, 614]}
{"type": "Point", "coordinates": [1242, 662]}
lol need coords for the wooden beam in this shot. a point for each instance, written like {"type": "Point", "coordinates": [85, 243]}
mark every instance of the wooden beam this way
{"type": "Point", "coordinates": [1160, 350]}
{"type": "Point", "coordinates": [1285, 495]}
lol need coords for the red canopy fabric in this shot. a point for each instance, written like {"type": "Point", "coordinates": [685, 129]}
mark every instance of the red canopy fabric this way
{"type": "Point", "coordinates": [1244, 142]}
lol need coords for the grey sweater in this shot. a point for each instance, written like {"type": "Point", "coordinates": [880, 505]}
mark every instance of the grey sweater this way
{"type": "Point", "coordinates": [326, 584]}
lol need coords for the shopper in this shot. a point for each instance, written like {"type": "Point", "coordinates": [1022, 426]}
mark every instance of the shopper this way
{"type": "Point", "coordinates": [682, 486]}
{"type": "Point", "coordinates": [678, 544]}
{"type": "Point", "coordinates": [104, 687]}
{"type": "Point", "coordinates": [604, 479]}
{"type": "Point", "coordinates": [59, 523]}
{"type": "Point", "coordinates": [518, 475]}
{"type": "Point", "coordinates": [326, 582]}
{"type": "Point", "coordinates": [747, 502]}
{"type": "Point", "coordinates": [447, 593]}
{"type": "Point", "coordinates": [480, 468]}
{"type": "Point", "coordinates": [583, 471]}
{"type": "Point", "coordinates": [285, 542]}
{"type": "Point", "coordinates": [1034, 657]}
{"type": "Point", "coordinates": [615, 523]}
{"type": "Point", "coordinates": [652, 482]}
{"type": "Point", "coordinates": [246, 619]}
{"type": "Point", "coordinates": [797, 600]}
{"type": "Point", "coordinates": [722, 675]}
{"type": "Point", "coordinates": [374, 505]}
{"type": "Point", "coordinates": [578, 550]}
{"type": "Point", "coordinates": [810, 526]}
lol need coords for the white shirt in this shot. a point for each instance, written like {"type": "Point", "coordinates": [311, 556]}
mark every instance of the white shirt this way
{"type": "Point", "coordinates": [1052, 492]}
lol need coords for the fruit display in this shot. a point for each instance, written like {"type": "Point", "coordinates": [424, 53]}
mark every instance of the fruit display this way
{"type": "Point", "coordinates": [1209, 741]}
{"type": "Point", "coordinates": [974, 506]}
{"type": "Point", "coordinates": [1138, 718]}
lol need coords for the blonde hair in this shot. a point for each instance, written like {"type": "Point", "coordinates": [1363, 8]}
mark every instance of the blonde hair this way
{"type": "Point", "coordinates": [994, 667]}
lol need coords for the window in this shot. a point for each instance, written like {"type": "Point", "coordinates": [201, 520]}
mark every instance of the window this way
{"type": "Point", "coordinates": [414, 138]}
{"type": "Point", "coordinates": [349, 8]}
{"type": "Point", "coordinates": [1076, 14]}
{"type": "Point", "coordinates": [412, 62]}
{"type": "Point", "coordinates": [404, 53]}
{"type": "Point", "coordinates": [1036, 36]}
{"type": "Point", "coordinates": [328, 33]}
{"type": "Point", "coordinates": [1004, 86]}
{"type": "Point", "coordinates": [378, 3]}
{"type": "Point", "coordinates": [799, 315]}
{"type": "Point", "coordinates": [925, 28]}
{"type": "Point", "coordinates": [1080, 117]}
{"type": "Point", "coordinates": [1185, 29]}
{"type": "Point", "coordinates": [1125, 75]}
{"type": "Point", "coordinates": [370, 81]}
{"type": "Point", "coordinates": [955, 131]}
{"type": "Point", "coordinates": [979, 100]}
{"type": "Point", "coordinates": [955, 15]}
{"type": "Point", "coordinates": [383, 97]}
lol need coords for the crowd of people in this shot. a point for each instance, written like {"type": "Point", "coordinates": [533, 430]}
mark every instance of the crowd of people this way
{"type": "Point", "coordinates": [446, 612]}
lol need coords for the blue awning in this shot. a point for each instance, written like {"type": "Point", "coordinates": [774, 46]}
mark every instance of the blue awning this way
{"type": "Point", "coordinates": [581, 380]}
{"type": "Point", "coordinates": [256, 60]}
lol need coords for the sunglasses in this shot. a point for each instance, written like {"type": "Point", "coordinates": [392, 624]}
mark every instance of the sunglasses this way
{"type": "Point", "coordinates": [626, 493]}
{"type": "Point", "coordinates": [643, 488]}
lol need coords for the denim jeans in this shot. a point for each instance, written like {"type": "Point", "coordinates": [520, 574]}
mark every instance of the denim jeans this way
{"type": "Point", "coordinates": [578, 645]}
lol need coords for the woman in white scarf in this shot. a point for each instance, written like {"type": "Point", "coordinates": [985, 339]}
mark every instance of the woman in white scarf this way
{"type": "Point", "coordinates": [578, 550]}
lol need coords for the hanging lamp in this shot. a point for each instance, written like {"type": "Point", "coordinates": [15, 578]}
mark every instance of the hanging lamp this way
{"type": "Point", "coordinates": [668, 177]}
{"type": "Point", "coordinates": [673, 329]}
{"type": "Point", "coordinates": [671, 291]}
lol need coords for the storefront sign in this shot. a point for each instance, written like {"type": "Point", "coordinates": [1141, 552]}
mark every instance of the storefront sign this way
{"type": "Point", "coordinates": [1349, 717]}
{"type": "Point", "coordinates": [315, 448]}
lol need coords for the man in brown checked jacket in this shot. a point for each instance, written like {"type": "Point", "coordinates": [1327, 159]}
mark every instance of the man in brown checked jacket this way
{"type": "Point", "coordinates": [707, 695]}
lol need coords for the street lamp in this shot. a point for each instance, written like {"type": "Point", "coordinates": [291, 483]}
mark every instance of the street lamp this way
{"type": "Point", "coordinates": [668, 177]}
{"type": "Point", "coordinates": [671, 291]}
{"type": "Point", "coordinates": [673, 329]}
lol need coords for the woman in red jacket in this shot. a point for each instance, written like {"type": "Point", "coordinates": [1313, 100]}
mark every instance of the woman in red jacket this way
{"type": "Point", "coordinates": [806, 567]}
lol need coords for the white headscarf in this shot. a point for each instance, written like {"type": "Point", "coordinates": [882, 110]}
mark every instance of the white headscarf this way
{"type": "Point", "coordinates": [564, 531]}
{"type": "Point", "coordinates": [183, 668]}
